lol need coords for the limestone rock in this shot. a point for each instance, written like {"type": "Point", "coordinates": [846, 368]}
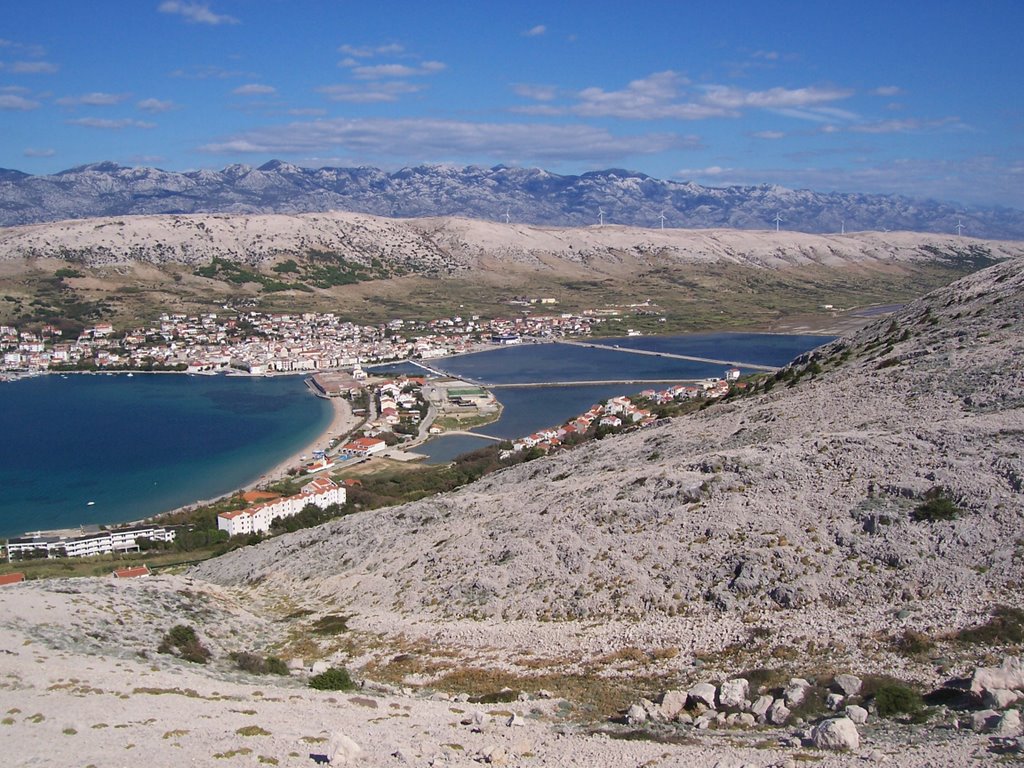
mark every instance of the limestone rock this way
{"type": "Point", "coordinates": [636, 715]}
{"type": "Point", "coordinates": [760, 707]}
{"type": "Point", "coordinates": [796, 692]}
{"type": "Point", "coordinates": [1009, 724]}
{"type": "Point", "coordinates": [834, 701]}
{"type": "Point", "coordinates": [778, 713]}
{"type": "Point", "coordinates": [342, 750]}
{"type": "Point", "coordinates": [848, 685]}
{"type": "Point", "coordinates": [491, 754]}
{"type": "Point", "coordinates": [985, 720]}
{"type": "Point", "coordinates": [702, 693]}
{"type": "Point", "coordinates": [1000, 698]}
{"type": "Point", "coordinates": [672, 703]}
{"type": "Point", "coordinates": [837, 734]}
{"type": "Point", "coordinates": [1007, 676]}
{"type": "Point", "coordinates": [733, 693]}
{"type": "Point", "coordinates": [858, 715]}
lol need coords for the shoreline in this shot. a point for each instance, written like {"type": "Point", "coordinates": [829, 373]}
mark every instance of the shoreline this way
{"type": "Point", "coordinates": [342, 421]}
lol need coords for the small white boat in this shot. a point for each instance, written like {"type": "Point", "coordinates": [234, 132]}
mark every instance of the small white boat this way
{"type": "Point", "coordinates": [90, 503]}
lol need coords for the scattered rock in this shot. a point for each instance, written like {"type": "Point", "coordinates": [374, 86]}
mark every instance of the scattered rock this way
{"type": "Point", "coordinates": [733, 693]}
{"type": "Point", "coordinates": [858, 715]}
{"type": "Point", "coordinates": [985, 720]}
{"type": "Point", "coordinates": [760, 707]}
{"type": "Point", "coordinates": [1009, 724]}
{"type": "Point", "coordinates": [1007, 676]}
{"type": "Point", "coordinates": [1000, 698]}
{"type": "Point", "coordinates": [702, 693]}
{"type": "Point", "coordinates": [778, 713]}
{"type": "Point", "coordinates": [636, 715]}
{"type": "Point", "coordinates": [491, 754]}
{"type": "Point", "coordinates": [342, 750]}
{"type": "Point", "coordinates": [796, 692]}
{"type": "Point", "coordinates": [838, 734]}
{"type": "Point", "coordinates": [848, 685]}
{"type": "Point", "coordinates": [515, 721]}
{"type": "Point", "coordinates": [834, 701]}
{"type": "Point", "coordinates": [672, 703]}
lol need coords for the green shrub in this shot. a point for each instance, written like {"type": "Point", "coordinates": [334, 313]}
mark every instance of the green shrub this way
{"type": "Point", "coordinates": [893, 699]}
{"type": "Point", "coordinates": [258, 665]}
{"type": "Point", "coordinates": [913, 643]}
{"type": "Point", "coordinates": [937, 505]}
{"type": "Point", "coordinates": [182, 641]}
{"type": "Point", "coordinates": [334, 679]}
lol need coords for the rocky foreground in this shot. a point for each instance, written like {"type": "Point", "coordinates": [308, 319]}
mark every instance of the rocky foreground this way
{"type": "Point", "coordinates": [734, 588]}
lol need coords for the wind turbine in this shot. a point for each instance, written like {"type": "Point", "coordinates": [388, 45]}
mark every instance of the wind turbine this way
{"type": "Point", "coordinates": [662, 217]}
{"type": "Point", "coordinates": [600, 213]}
{"type": "Point", "coordinates": [508, 217]}
{"type": "Point", "coordinates": [778, 220]}
{"type": "Point", "coordinates": [959, 228]}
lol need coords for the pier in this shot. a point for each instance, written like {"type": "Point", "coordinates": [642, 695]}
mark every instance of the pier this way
{"type": "Point", "coordinates": [672, 355]}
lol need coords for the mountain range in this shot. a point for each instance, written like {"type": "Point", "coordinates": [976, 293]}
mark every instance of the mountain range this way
{"type": "Point", "coordinates": [520, 195]}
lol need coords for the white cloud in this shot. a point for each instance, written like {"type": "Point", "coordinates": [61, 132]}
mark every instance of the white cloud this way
{"type": "Point", "coordinates": [774, 98]}
{"type": "Point", "coordinates": [30, 152]}
{"type": "Point", "coordinates": [888, 90]}
{"type": "Point", "coordinates": [368, 51]}
{"type": "Point", "coordinates": [377, 71]}
{"type": "Point", "coordinates": [29, 67]}
{"type": "Point", "coordinates": [254, 89]}
{"type": "Point", "coordinates": [419, 140]}
{"type": "Point", "coordinates": [155, 106]}
{"type": "Point", "coordinates": [195, 13]}
{"type": "Point", "coordinates": [770, 135]}
{"type": "Point", "coordinates": [369, 93]}
{"type": "Point", "coordinates": [95, 99]}
{"type": "Point", "coordinates": [536, 92]}
{"type": "Point", "coordinates": [536, 31]}
{"type": "Point", "coordinates": [108, 124]}
{"type": "Point", "coordinates": [12, 101]}
{"type": "Point", "coordinates": [650, 98]}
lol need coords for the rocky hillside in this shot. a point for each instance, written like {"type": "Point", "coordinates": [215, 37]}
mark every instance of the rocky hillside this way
{"type": "Point", "coordinates": [528, 195]}
{"type": "Point", "coordinates": [789, 514]}
{"type": "Point", "coordinates": [452, 245]}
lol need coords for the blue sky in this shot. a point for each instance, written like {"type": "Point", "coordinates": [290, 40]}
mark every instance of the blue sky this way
{"type": "Point", "coordinates": [902, 96]}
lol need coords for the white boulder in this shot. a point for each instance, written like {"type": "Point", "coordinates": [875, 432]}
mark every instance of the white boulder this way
{"type": "Point", "coordinates": [342, 750]}
{"type": "Point", "coordinates": [778, 713]}
{"type": "Point", "coordinates": [1007, 676]}
{"type": "Point", "coordinates": [838, 734]}
{"type": "Point", "coordinates": [858, 715]}
{"type": "Point", "coordinates": [849, 685]}
{"type": "Point", "coordinates": [733, 693]}
{"type": "Point", "coordinates": [702, 693]}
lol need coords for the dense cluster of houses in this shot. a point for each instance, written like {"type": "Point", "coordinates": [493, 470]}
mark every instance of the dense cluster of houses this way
{"type": "Point", "coordinates": [321, 492]}
{"type": "Point", "coordinates": [261, 343]}
{"type": "Point", "coordinates": [99, 542]}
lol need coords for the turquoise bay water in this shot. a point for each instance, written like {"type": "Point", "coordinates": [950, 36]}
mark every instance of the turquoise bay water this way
{"type": "Point", "coordinates": [140, 445]}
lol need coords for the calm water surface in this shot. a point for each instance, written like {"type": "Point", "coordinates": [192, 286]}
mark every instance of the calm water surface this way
{"type": "Point", "coordinates": [136, 446]}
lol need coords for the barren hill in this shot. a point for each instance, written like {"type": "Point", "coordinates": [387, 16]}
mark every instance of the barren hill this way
{"type": "Point", "coordinates": [453, 244]}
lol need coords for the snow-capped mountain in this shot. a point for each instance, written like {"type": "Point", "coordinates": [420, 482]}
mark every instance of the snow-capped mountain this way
{"type": "Point", "coordinates": [525, 195]}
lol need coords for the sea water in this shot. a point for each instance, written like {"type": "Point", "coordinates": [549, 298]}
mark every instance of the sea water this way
{"type": "Point", "coordinates": [135, 446]}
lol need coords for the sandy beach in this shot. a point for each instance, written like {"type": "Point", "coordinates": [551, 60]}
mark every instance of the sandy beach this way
{"type": "Point", "coordinates": [343, 421]}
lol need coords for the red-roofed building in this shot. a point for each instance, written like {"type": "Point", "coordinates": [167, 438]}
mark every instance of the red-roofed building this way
{"type": "Point", "coordinates": [321, 492]}
{"type": "Point", "coordinates": [363, 446]}
{"type": "Point", "coordinates": [133, 572]}
{"type": "Point", "coordinates": [11, 578]}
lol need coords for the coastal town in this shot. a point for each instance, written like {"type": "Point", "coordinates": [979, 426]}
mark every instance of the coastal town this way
{"type": "Point", "coordinates": [257, 343]}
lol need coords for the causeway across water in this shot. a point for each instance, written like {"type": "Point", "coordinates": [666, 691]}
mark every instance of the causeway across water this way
{"type": "Point", "coordinates": [615, 348]}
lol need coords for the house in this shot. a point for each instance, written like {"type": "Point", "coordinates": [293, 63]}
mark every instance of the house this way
{"type": "Point", "coordinates": [363, 447]}
{"type": "Point", "coordinates": [11, 578]}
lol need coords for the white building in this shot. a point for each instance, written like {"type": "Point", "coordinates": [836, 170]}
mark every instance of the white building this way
{"type": "Point", "coordinates": [98, 543]}
{"type": "Point", "coordinates": [321, 492]}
